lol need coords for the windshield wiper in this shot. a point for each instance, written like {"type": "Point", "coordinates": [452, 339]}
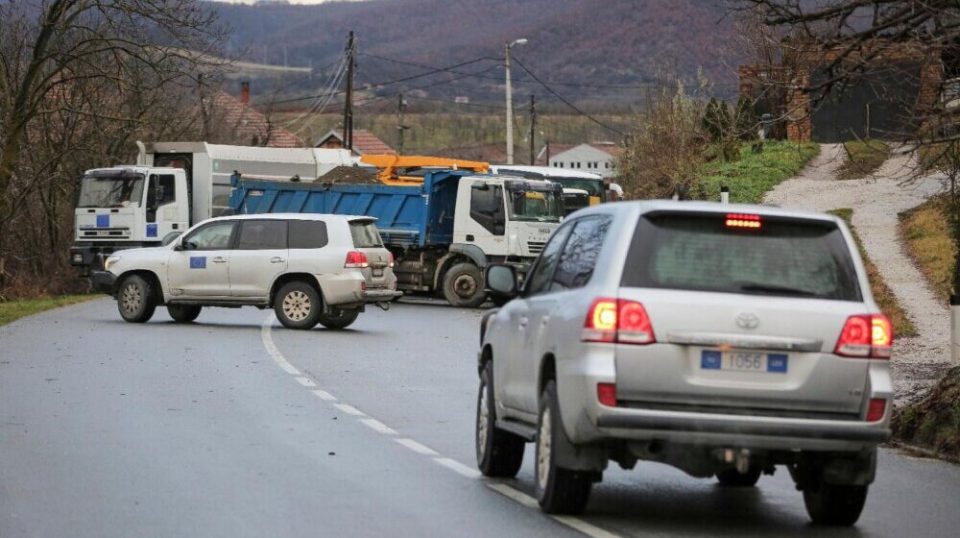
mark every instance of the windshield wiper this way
{"type": "Point", "coordinates": [771, 288]}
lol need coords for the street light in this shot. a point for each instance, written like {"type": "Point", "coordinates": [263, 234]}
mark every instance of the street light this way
{"type": "Point", "coordinates": [506, 57]}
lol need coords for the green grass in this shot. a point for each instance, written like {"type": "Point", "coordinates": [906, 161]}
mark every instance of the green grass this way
{"type": "Point", "coordinates": [933, 423]}
{"type": "Point", "coordinates": [882, 293]}
{"type": "Point", "coordinates": [864, 157]}
{"type": "Point", "coordinates": [754, 174]}
{"type": "Point", "coordinates": [925, 229]}
{"type": "Point", "coordinates": [14, 310]}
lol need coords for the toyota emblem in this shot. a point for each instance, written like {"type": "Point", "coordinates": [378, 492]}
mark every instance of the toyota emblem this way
{"type": "Point", "coordinates": [747, 320]}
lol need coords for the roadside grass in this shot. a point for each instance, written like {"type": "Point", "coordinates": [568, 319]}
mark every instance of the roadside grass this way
{"type": "Point", "coordinates": [14, 310]}
{"type": "Point", "coordinates": [885, 298]}
{"type": "Point", "coordinates": [933, 423]}
{"type": "Point", "coordinates": [754, 174]}
{"type": "Point", "coordinates": [925, 230]}
{"type": "Point", "coordinates": [864, 157]}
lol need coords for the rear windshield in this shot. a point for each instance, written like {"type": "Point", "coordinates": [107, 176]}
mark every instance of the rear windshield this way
{"type": "Point", "coordinates": [793, 258]}
{"type": "Point", "coordinates": [365, 234]}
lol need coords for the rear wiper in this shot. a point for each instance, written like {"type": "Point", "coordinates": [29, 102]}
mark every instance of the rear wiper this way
{"type": "Point", "coordinates": [757, 287]}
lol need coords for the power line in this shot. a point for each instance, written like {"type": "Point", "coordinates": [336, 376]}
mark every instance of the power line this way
{"type": "Point", "coordinates": [571, 84]}
{"type": "Point", "coordinates": [566, 102]}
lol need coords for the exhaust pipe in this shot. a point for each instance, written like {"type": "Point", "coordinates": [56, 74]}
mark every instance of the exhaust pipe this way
{"type": "Point", "coordinates": [385, 306]}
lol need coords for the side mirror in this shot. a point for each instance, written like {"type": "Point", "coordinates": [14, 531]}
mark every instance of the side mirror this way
{"type": "Point", "coordinates": [502, 279]}
{"type": "Point", "coordinates": [178, 247]}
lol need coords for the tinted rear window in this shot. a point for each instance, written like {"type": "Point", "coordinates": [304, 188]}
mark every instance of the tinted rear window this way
{"type": "Point", "coordinates": [793, 258]}
{"type": "Point", "coordinates": [365, 234]}
{"type": "Point", "coordinates": [308, 234]}
{"type": "Point", "coordinates": [262, 235]}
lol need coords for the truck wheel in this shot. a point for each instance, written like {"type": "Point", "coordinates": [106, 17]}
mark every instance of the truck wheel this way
{"type": "Point", "coordinates": [297, 305]}
{"type": "Point", "coordinates": [135, 299]}
{"type": "Point", "coordinates": [339, 318]}
{"type": "Point", "coordinates": [732, 478]}
{"type": "Point", "coordinates": [499, 453]}
{"type": "Point", "coordinates": [183, 313]}
{"type": "Point", "coordinates": [559, 491]}
{"type": "Point", "coordinates": [463, 285]}
{"type": "Point", "coordinates": [830, 504]}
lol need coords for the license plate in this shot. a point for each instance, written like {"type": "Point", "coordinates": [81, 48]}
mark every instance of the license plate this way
{"type": "Point", "coordinates": [743, 361]}
{"type": "Point", "coordinates": [378, 272]}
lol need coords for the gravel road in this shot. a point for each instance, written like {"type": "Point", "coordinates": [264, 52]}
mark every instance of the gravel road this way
{"type": "Point", "coordinates": [876, 201]}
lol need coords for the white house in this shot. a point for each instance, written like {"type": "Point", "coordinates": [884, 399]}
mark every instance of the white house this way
{"type": "Point", "coordinates": [598, 157]}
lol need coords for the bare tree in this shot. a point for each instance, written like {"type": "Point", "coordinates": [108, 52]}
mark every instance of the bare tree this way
{"type": "Point", "coordinates": [79, 81]}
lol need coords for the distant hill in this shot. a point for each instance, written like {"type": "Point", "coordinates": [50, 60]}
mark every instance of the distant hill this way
{"type": "Point", "coordinates": [574, 42]}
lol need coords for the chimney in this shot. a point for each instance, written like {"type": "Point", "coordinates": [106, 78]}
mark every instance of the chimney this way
{"type": "Point", "coordinates": [245, 93]}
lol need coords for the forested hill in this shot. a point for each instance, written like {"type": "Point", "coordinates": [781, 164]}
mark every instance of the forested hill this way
{"type": "Point", "coordinates": [585, 42]}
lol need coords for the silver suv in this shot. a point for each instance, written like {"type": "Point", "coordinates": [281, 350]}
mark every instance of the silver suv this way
{"type": "Point", "coordinates": [721, 339]}
{"type": "Point", "coordinates": [310, 268]}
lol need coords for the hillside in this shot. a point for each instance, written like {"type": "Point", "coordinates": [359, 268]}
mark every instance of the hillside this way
{"type": "Point", "coordinates": [624, 44]}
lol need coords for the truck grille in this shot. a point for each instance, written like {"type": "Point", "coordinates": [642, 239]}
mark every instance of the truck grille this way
{"type": "Point", "coordinates": [535, 247]}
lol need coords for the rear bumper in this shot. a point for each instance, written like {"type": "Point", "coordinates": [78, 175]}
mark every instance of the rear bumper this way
{"type": "Point", "coordinates": [103, 281]}
{"type": "Point", "coordinates": [380, 295]}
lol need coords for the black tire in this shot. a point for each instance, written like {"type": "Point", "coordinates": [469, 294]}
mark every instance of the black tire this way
{"type": "Point", "coordinates": [734, 479]}
{"type": "Point", "coordinates": [338, 319]}
{"type": "Point", "coordinates": [829, 504]}
{"type": "Point", "coordinates": [499, 453]}
{"type": "Point", "coordinates": [135, 299]}
{"type": "Point", "coordinates": [463, 285]}
{"type": "Point", "coordinates": [559, 491]}
{"type": "Point", "coordinates": [183, 313]}
{"type": "Point", "coordinates": [297, 305]}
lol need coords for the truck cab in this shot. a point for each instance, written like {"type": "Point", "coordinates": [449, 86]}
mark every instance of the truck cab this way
{"type": "Point", "coordinates": [132, 206]}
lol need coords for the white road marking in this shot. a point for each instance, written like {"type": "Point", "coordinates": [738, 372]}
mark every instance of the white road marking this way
{"type": "Point", "coordinates": [378, 426]}
{"type": "Point", "coordinates": [458, 467]}
{"type": "Point", "coordinates": [272, 348]}
{"type": "Point", "coordinates": [417, 447]}
{"type": "Point", "coordinates": [349, 409]}
{"type": "Point", "coordinates": [574, 523]}
{"type": "Point", "coordinates": [306, 381]}
{"type": "Point", "coordinates": [324, 395]}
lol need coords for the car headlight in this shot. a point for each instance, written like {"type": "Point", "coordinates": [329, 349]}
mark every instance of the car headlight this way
{"type": "Point", "coordinates": [110, 262]}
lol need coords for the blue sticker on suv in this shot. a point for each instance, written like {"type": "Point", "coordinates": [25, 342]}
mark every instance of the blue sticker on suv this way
{"type": "Point", "coordinates": [777, 363]}
{"type": "Point", "coordinates": [198, 262]}
{"type": "Point", "coordinates": [710, 360]}
{"type": "Point", "coordinates": [103, 221]}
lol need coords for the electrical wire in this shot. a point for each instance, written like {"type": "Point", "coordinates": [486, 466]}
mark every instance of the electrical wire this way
{"type": "Point", "coordinates": [566, 102]}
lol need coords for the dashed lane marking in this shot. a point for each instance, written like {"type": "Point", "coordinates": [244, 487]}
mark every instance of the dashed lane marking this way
{"type": "Point", "coordinates": [574, 523]}
{"type": "Point", "coordinates": [378, 426]}
{"type": "Point", "coordinates": [324, 395]}
{"type": "Point", "coordinates": [463, 470]}
{"type": "Point", "coordinates": [417, 447]}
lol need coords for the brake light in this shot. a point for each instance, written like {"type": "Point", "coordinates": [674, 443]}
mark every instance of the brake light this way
{"type": "Point", "coordinates": [390, 259]}
{"type": "Point", "coordinates": [742, 220]}
{"type": "Point", "coordinates": [618, 320]}
{"type": "Point", "coordinates": [867, 335]}
{"type": "Point", "coordinates": [876, 409]}
{"type": "Point", "coordinates": [607, 394]}
{"type": "Point", "coordinates": [356, 260]}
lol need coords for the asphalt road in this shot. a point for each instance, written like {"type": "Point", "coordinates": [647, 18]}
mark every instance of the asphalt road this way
{"type": "Point", "coordinates": [233, 426]}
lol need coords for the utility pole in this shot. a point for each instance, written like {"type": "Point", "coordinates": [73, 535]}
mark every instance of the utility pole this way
{"type": "Point", "coordinates": [348, 101]}
{"type": "Point", "coordinates": [533, 125]}
{"type": "Point", "coordinates": [506, 57]}
{"type": "Point", "coordinates": [401, 108]}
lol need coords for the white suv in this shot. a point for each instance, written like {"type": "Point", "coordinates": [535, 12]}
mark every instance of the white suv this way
{"type": "Point", "coordinates": [721, 339]}
{"type": "Point", "coordinates": [310, 268]}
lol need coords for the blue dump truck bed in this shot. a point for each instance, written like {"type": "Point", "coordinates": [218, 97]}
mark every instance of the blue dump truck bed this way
{"type": "Point", "coordinates": [406, 216]}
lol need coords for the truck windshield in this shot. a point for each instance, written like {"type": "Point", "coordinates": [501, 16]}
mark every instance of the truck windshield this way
{"type": "Point", "coordinates": [535, 205]}
{"type": "Point", "coordinates": [110, 191]}
{"type": "Point", "coordinates": [594, 187]}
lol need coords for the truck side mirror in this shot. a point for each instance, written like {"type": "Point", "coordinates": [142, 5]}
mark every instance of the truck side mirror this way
{"type": "Point", "coordinates": [502, 279]}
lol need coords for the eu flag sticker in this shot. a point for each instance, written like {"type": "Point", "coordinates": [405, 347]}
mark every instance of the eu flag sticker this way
{"type": "Point", "coordinates": [103, 221]}
{"type": "Point", "coordinates": [198, 262]}
{"type": "Point", "coordinates": [777, 363]}
{"type": "Point", "coordinates": [710, 360]}
{"type": "Point", "coordinates": [152, 229]}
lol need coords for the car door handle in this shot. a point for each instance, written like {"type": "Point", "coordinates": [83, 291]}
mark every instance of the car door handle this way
{"type": "Point", "coordinates": [276, 259]}
{"type": "Point", "coordinates": [544, 321]}
{"type": "Point", "coordinates": [219, 259]}
{"type": "Point", "coordinates": [523, 321]}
